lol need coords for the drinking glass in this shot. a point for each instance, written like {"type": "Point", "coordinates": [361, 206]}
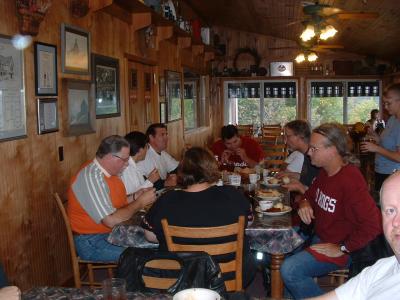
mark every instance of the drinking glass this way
{"type": "Point", "coordinates": [114, 289]}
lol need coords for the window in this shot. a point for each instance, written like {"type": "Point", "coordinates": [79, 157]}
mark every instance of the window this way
{"type": "Point", "coordinates": [345, 102]}
{"type": "Point", "coordinates": [245, 104]}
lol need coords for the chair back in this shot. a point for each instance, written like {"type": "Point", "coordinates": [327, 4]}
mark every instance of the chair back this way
{"type": "Point", "coordinates": [246, 130]}
{"type": "Point", "coordinates": [152, 281]}
{"type": "Point", "coordinates": [237, 229]}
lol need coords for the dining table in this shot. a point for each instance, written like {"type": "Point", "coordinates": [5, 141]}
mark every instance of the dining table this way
{"type": "Point", "coordinates": [269, 233]}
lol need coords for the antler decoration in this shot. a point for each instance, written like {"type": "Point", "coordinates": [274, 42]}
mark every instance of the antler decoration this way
{"type": "Point", "coordinates": [31, 13]}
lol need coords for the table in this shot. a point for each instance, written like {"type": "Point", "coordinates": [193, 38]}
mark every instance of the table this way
{"type": "Point", "coordinates": [273, 235]}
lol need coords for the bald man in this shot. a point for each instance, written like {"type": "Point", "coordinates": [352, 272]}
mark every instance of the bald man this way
{"type": "Point", "coordinates": [382, 280]}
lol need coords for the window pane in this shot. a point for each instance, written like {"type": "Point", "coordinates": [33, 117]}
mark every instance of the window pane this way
{"type": "Point", "coordinates": [279, 110]}
{"type": "Point", "coordinates": [326, 109]}
{"type": "Point", "coordinates": [248, 111]}
{"type": "Point", "coordinates": [189, 103]}
{"type": "Point", "coordinates": [359, 108]}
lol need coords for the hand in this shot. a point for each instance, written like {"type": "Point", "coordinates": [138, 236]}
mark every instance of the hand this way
{"type": "Point", "coordinates": [225, 156]}
{"type": "Point", "coordinates": [171, 180]}
{"type": "Point", "coordinates": [154, 175]}
{"type": "Point", "coordinates": [147, 197]}
{"type": "Point", "coordinates": [242, 153]}
{"type": "Point", "coordinates": [328, 249]}
{"type": "Point", "coordinates": [295, 186]}
{"type": "Point", "coordinates": [369, 147]}
{"type": "Point", "coordinates": [10, 293]}
{"type": "Point", "coordinates": [306, 212]}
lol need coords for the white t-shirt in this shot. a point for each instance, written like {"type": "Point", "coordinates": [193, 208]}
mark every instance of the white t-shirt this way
{"type": "Point", "coordinates": [380, 281]}
{"type": "Point", "coordinates": [295, 161]}
{"type": "Point", "coordinates": [133, 178]}
{"type": "Point", "coordinates": [163, 162]}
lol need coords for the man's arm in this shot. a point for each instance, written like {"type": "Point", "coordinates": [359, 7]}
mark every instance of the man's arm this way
{"type": "Point", "coordinates": [125, 213]}
{"type": "Point", "coordinates": [329, 296]}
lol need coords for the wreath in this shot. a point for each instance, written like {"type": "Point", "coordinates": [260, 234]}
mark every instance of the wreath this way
{"type": "Point", "coordinates": [247, 50]}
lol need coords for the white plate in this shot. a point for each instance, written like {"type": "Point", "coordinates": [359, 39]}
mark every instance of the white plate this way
{"type": "Point", "coordinates": [197, 294]}
{"type": "Point", "coordinates": [285, 210]}
{"type": "Point", "coordinates": [272, 198]}
{"type": "Point", "coordinates": [267, 184]}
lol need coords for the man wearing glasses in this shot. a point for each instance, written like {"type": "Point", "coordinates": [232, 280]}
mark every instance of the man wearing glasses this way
{"type": "Point", "coordinates": [97, 201]}
{"type": "Point", "coordinates": [344, 214]}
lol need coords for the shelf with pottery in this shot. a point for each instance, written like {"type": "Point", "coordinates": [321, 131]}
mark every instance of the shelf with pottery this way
{"type": "Point", "coordinates": [140, 16]}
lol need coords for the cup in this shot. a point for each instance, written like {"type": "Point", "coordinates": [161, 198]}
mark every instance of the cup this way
{"type": "Point", "coordinates": [265, 173]}
{"type": "Point", "coordinates": [235, 179]}
{"type": "Point", "coordinates": [253, 178]}
{"type": "Point", "coordinates": [265, 204]}
{"type": "Point", "coordinates": [114, 289]}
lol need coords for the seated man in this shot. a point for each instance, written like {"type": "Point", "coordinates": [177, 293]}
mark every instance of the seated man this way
{"type": "Point", "coordinates": [97, 201]}
{"type": "Point", "coordinates": [380, 281]}
{"type": "Point", "coordinates": [157, 158]}
{"type": "Point", "coordinates": [237, 151]}
{"type": "Point", "coordinates": [344, 214]}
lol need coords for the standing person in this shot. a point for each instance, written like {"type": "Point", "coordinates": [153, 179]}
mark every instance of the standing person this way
{"type": "Point", "coordinates": [132, 177]}
{"type": "Point", "coordinates": [375, 123]}
{"type": "Point", "coordinates": [200, 203]}
{"type": "Point", "coordinates": [237, 151]}
{"type": "Point", "coordinates": [157, 158]}
{"type": "Point", "coordinates": [380, 281]}
{"type": "Point", "coordinates": [97, 201]}
{"type": "Point", "coordinates": [344, 214]}
{"type": "Point", "coordinates": [387, 158]}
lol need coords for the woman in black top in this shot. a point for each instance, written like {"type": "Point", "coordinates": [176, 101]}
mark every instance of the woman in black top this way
{"type": "Point", "coordinates": [200, 204]}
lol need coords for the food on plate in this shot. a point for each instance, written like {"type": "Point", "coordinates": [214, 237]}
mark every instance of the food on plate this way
{"type": "Point", "coordinates": [273, 181]}
{"type": "Point", "coordinates": [285, 180]}
{"type": "Point", "coordinates": [268, 193]}
{"type": "Point", "coordinates": [278, 207]}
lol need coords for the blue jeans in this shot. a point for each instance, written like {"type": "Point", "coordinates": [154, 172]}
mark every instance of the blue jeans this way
{"type": "Point", "coordinates": [96, 248]}
{"type": "Point", "coordinates": [298, 271]}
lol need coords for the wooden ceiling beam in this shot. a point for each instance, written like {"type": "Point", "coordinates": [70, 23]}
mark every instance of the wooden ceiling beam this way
{"type": "Point", "coordinates": [141, 20]}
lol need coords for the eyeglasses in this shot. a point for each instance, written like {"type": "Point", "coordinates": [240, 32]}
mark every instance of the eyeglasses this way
{"type": "Point", "coordinates": [125, 160]}
{"type": "Point", "coordinates": [313, 149]}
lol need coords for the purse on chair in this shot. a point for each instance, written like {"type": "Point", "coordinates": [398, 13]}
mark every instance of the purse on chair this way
{"type": "Point", "coordinates": [150, 270]}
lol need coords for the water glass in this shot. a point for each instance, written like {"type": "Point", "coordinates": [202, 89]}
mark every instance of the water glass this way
{"type": "Point", "coordinates": [235, 179]}
{"type": "Point", "coordinates": [253, 178]}
{"type": "Point", "coordinates": [114, 289]}
{"type": "Point", "coordinates": [265, 173]}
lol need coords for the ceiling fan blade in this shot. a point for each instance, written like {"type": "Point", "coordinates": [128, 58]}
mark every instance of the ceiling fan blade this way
{"type": "Point", "coordinates": [284, 48]}
{"type": "Point", "coordinates": [329, 11]}
{"type": "Point", "coordinates": [328, 46]}
{"type": "Point", "coordinates": [357, 15]}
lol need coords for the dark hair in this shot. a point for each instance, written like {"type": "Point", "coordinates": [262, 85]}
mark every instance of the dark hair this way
{"type": "Point", "coordinates": [395, 87]}
{"type": "Point", "coordinates": [136, 140]}
{"type": "Point", "coordinates": [300, 128]}
{"type": "Point", "coordinates": [337, 136]}
{"type": "Point", "coordinates": [197, 166]}
{"type": "Point", "coordinates": [373, 112]}
{"type": "Point", "coordinates": [151, 130]}
{"type": "Point", "coordinates": [111, 144]}
{"type": "Point", "coordinates": [228, 132]}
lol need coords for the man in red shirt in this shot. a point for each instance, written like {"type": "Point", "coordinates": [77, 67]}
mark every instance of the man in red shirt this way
{"type": "Point", "coordinates": [237, 151]}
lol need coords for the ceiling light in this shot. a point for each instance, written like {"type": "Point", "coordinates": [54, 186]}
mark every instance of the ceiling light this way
{"type": "Point", "coordinates": [308, 33]}
{"type": "Point", "coordinates": [328, 32]}
{"type": "Point", "coordinates": [312, 56]}
{"type": "Point", "coordinates": [300, 58]}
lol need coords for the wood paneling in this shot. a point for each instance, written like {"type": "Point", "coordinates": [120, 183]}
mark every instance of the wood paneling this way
{"type": "Point", "coordinates": [33, 244]}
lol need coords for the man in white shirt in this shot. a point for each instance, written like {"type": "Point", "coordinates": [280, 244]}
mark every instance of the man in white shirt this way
{"type": "Point", "coordinates": [381, 280]}
{"type": "Point", "coordinates": [158, 158]}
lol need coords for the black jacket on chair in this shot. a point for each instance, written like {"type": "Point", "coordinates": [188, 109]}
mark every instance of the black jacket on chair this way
{"type": "Point", "coordinates": [197, 270]}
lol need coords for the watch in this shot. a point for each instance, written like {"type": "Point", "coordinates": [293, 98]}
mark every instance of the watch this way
{"type": "Point", "coordinates": [344, 249]}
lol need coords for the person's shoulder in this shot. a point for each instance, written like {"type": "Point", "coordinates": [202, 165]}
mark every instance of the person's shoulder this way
{"type": "Point", "coordinates": [383, 265]}
{"type": "Point", "coordinates": [248, 140]}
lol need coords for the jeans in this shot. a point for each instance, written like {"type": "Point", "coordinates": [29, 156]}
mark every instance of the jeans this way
{"type": "Point", "coordinates": [298, 270]}
{"type": "Point", "coordinates": [96, 248]}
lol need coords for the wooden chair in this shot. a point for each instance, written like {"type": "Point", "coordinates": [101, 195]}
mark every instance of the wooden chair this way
{"type": "Point", "coordinates": [160, 283]}
{"type": "Point", "coordinates": [272, 134]}
{"type": "Point", "coordinates": [275, 157]}
{"type": "Point", "coordinates": [77, 263]}
{"type": "Point", "coordinates": [246, 130]}
{"type": "Point", "coordinates": [235, 265]}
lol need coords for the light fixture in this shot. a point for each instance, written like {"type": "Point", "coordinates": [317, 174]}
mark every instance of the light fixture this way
{"type": "Point", "coordinates": [327, 32]}
{"type": "Point", "coordinates": [311, 56]}
{"type": "Point", "coordinates": [300, 58]}
{"type": "Point", "coordinates": [308, 33]}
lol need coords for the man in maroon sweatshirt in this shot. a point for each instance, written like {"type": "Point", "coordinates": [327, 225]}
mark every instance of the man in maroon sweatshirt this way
{"type": "Point", "coordinates": [344, 214]}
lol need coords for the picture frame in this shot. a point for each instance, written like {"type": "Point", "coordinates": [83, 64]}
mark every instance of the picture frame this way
{"type": "Point", "coordinates": [106, 78]}
{"type": "Point", "coordinates": [75, 50]}
{"type": "Point", "coordinates": [173, 95]}
{"type": "Point", "coordinates": [45, 69]}
{"type": "Point", "coordinates": [47, 115]}
{"type": "Point", "coordinates": [79, 117]}
{"type": "Point", "coordinates": [163, 112]}
{"type": "Point", "coordinates": [161, 86]}
{"type": "Point", "coordinates": [12, 91]}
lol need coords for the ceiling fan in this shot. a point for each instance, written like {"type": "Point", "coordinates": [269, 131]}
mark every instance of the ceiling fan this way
{"type": "Point", "coordinates": [325, 11]}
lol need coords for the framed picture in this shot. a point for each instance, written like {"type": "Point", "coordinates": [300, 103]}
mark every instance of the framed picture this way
{"type": "Point", "coordinates": [173, 95]}
{"type": "Point", "coordinates": [75, 50]}
{"type": "Point", "coordinates": [45, 69]}
{"type": "Point", "coordinates": [47, 114]}
{"type": "Point", "coordinates": [161, 86]}
{"type": "Point", "coordinates": [12, 92]}
{"type": "Point", "coordinates": [106, 79]}
{"type": "Point", "coordinates": [163, 112]}
{"type": "Point", "coordinates": [80, 113]}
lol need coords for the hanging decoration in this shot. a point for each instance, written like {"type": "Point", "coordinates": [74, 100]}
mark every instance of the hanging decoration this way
{"type": "Point", "coordinates": [31, 13]}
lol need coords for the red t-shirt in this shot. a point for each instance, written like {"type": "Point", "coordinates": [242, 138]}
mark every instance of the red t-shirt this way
{"type": "Point", "coordinates": [252, 148]}
{"type": "Point", "coordinates": [343, 208]}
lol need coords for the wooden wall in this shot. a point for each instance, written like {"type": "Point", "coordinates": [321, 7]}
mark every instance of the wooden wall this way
{"type": "Point", "coordinates": [33, 244]}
